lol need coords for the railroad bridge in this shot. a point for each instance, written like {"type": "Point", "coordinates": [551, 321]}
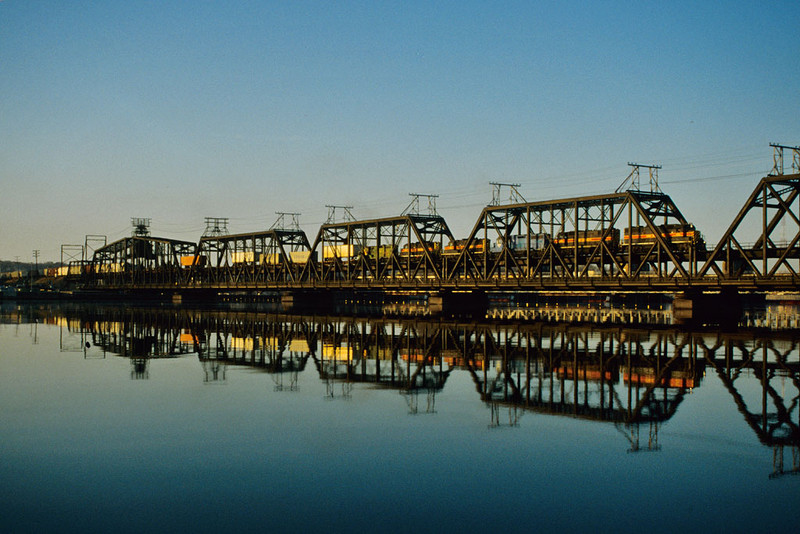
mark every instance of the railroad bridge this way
{"type": "Point", "coordinates": [634, 239]}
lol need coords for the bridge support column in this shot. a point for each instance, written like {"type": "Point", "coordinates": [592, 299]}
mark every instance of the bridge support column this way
{"type": "Point", "coordinates": [302, 300]}
{"type": "Point", "coordinates": [192, 296]}
{"type": "Point", "coordinates": [458, 303]}
{"type": "Point", "coordinates": [696, 308]}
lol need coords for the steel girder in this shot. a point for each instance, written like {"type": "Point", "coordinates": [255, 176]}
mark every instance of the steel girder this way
{"type": "Point", "coordinates": [626, 236]}
{"type": "Point", "coordinates": [249, 260]}
{"type": "Point", "coordinates": [394, 251]}
{"type": "Point", "coordinates": [139, 261]}
{"type": "Point", "coordinates": [751, 249]}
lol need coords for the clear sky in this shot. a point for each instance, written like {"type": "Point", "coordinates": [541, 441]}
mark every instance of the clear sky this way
{"type": "Point", "coordinates": [180, 110]}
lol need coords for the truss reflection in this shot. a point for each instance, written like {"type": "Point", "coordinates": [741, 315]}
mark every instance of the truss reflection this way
{"type": "Point", "coordinates": [634, 379]}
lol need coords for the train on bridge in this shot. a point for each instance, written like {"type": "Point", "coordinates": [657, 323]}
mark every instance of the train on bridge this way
{"type": "Point", "coordinates": [630, 240]}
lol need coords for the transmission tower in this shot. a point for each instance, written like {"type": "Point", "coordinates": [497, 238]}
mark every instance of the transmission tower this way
{"type": "Point", "coordinates": [347, 217]}
{"type": "Point", "coordinates": [92, 243]}
{"type": "Point", "coordinates": [631, 183]}
{"type": "Point", "coordinates": [216, 226]}
{"type": "Point", "coordinates": [141, 227]}
{"type": "Point", "coordinates": [280, 224]}
{"type": "Point", "coordinates": [71, 253]}
{"type": "Point", "coordinates": [777, 158]}
{"type": "Point", "coordinates": [413, 207]}
{"type": "Point", "coordinates": [514, 196]}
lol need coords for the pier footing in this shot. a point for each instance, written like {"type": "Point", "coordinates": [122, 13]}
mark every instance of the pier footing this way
{"type": "Point", "coordinates": [458, 303]}
{"type": "Point", "coordinates": [696, 308]}
{"type": "Point", "coordinates": [303, 301]}
{"type": "Point", "coordinates": [447, 303]}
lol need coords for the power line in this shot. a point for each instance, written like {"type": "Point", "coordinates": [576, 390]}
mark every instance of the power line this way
{"type": "Point", "coordinates": [710, 178]}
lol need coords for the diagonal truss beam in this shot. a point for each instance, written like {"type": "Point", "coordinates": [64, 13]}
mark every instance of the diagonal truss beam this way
{"type": "Point", "coordinates": [581, 238]}
{"type": "Point", "coordinates": [771, 205]}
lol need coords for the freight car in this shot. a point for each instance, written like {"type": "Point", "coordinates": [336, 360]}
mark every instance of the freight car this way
{"type": "Point", "coordinates": [417, 249]}
{"type": "Point", "coordinates": [188, 261]}
{"type": "Point", "coordinates": [379, 252]}
{"type": "Point", "coordinates": [587, 238]}
{"type": "Point", "coordinates": [457, 247]}
{"type": "Point", "coordinates": [342, 252]}
{"type": "Point", "coordinates": [295, 256]}
{"type": "Point", "coordinates": [520, 242]}
{"type": "Point", "coordinates": [673, 233]}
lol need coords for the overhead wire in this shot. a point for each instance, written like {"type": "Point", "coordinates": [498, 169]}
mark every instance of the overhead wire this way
{"type": "Point", "coordinates": [468, 195]}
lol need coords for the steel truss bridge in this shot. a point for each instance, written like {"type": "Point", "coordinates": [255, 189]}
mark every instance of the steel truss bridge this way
{"type": "Point", "coordinates": [632, 378]}
{"type": "Point", "coordinates": [627, 240]}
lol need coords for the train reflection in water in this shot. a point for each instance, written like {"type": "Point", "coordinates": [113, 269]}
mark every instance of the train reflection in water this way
{"type": "Point", "coordinates": [635, 379]}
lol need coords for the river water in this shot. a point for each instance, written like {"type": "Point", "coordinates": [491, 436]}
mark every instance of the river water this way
{"type": "Point", "coordinates": [141, 419]}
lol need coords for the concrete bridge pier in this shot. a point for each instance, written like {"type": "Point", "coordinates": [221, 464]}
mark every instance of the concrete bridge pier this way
{"type": "Point", "coordinates": [307, 300]}
{"type": "Point", "coordinates": [696, 308]}
{"type": "Point", "coordinates": [193, 296]}
{"type": "Point", "coordinates": [458, 303]}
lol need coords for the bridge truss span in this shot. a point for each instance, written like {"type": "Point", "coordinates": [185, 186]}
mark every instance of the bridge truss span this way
{"type": "Point", "coordinates": [250, 260]}
{"type": "Point", "coordinates": [139, 260]}
{"type": "Point", "coordinates": [761, 248]}
{"type": "Point", "coordinates": [629, 238]}
{"type": "Point", "coordinates": [399, 252]}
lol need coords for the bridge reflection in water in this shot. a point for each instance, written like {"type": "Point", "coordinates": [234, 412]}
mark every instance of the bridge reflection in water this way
{"type": "Point", "coordinates": [633, 378]}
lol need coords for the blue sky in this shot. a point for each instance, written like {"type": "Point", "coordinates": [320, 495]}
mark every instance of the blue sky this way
{"type": "Point", "coordinates": [178, 111]}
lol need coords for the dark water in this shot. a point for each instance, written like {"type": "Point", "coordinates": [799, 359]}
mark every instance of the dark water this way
{"type": "Point", "coordinates": [141, 420]}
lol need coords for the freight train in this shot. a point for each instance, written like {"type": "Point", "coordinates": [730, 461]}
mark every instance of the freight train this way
{"type": "Point", "coordinates": [684, 236]}
{"type": "Point", "coordinates": [587, 238]}
{"type": "Point", "coordinates": [640, 238]}
{"type": "Point", "coordinates": [684, 240]}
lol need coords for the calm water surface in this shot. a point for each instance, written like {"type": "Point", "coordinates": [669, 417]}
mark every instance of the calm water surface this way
{"type": "Point", "coordinates": [135, 419]}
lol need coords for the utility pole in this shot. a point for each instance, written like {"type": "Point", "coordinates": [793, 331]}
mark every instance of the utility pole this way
{"type": "Point", "coordinates": [36, 261]}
